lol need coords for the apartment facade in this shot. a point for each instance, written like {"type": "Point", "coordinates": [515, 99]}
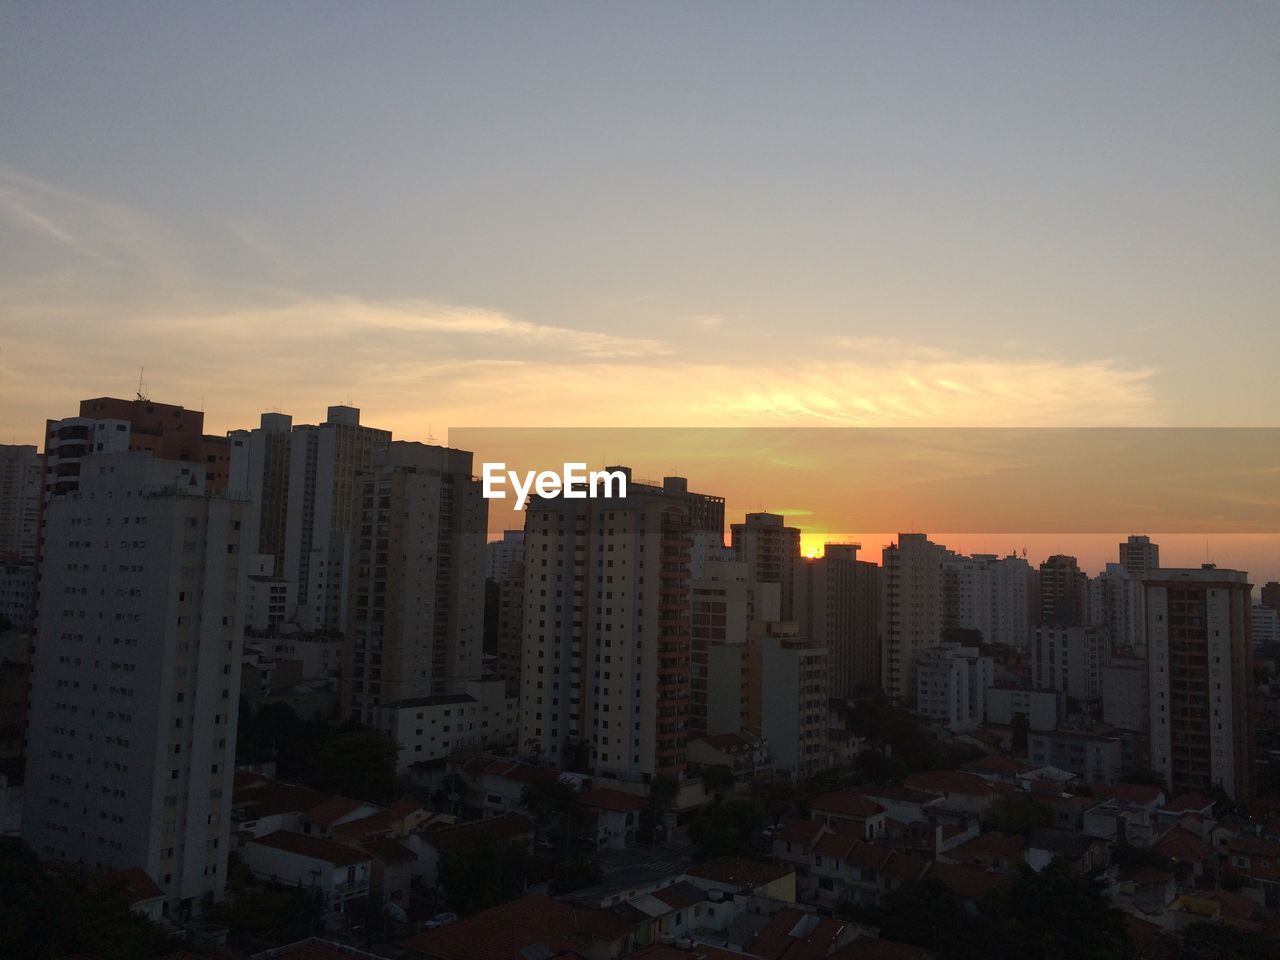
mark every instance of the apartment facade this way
{"type": "Point", "coordinates": [606, 659]}
{"type": "Point", "coordinates": [1200, 677]}
{"type": "Point", "coordinates": [133, 706]}
{"type": "Point", "coordinates": [910, 610]}
{"type": "Point", "coordinates": [415, 577]}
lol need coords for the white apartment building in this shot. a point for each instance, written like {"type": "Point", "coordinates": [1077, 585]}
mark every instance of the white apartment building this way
{"type": "Point", "coordinates": [787, 697]}
{"type": "Point", "coordinates": [501, 554]}
{"type": "Point", "coordinates": [131, 745]}
{"type": "Point", "coordinates": [1266, 624]}
{"type": "Point", "coordinates": [1040, 707]}
{"type": "Point", "coordinates": [1115, 606]}
{"type": "Point", "coordinates": [910, 611]}
{"type": "Point", "coordinates": [951, 685]}
{"type": "Point", "coordinates": [431, 728]}
{"type": "Point", "coordinates": [415, 578]}
{"type": "Point", "coordinates": [606, 655]}
{"type": "Point", "coordinates": [1124, 694]}
{"type": "Point", "coordinates": [324, 461]}
{"type": "Point", "coordinates": [1069, 660]}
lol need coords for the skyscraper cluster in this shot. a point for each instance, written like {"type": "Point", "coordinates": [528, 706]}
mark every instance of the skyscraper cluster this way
{"type": "Point", "coordinates": [149, 566]}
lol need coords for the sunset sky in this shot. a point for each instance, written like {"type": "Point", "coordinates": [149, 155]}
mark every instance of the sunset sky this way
{"type": "Point", "coordinates": [711, 214]}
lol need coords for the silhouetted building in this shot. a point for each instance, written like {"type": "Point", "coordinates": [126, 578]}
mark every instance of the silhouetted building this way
{"type": "Point", "coordinates": [1200, 676]}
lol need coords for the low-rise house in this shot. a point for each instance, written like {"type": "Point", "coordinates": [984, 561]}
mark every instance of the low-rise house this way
{"type": "Point", "coordinates": [1083, 853]}
{"type": "Point", "coordinates": [140, 892]}
{"type": "Point", "coordinates": [333, 811]}
{"type": "Point", "coordinates": [398, 820]}
{"type": "Point", "coordinates": [392, 869]}
{"type": "Point", "coordinates": [1147, 890]}
{"type": "Point", "coordinates": [260, 806]}
{"type": "Point", "coordinates": [794, 845]}
{"type": "Point", "coordinates": [1120, 822]}
{"type": "Point", "coordinates": [747, 879]}
{"type": "Point", "coordinates": [492, 785]}
{"type": "Point", "coordinates": [958, 790]}
{"type": "Point", "coordinates": [1255, 861]}
{"type": "Point", "coordinates": [744, 753]}
{"type": "Point", "coordinates": [903, 804]}
{"type": "Point", "coordinates": [853, 810]}
{"type": "Point", "coordinates": [793, 933]}
{"type": "Point", "coordinates": [433, 840]}
{"type": "Point", "coordinates": [1194, 860]}
{"type": "Point", "coordinates": [998, 852]}
{"type": "Point", "coordinates": [1093, 757]}
{"type": "Point", "coordinates": [843, 747]}
{"type": "Point", "coordinates": [339, 873]}
{"type": "Point", "coordinates": [616, 815]}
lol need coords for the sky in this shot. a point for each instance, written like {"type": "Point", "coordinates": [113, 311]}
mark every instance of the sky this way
{"type": "Point", "coordinates": [577, 214]}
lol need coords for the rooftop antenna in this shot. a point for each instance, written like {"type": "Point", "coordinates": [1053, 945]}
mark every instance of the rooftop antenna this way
{"type": "Point", "coordinates": [430, 436]}
{"type": "Point", "coordinates": [141, 386]}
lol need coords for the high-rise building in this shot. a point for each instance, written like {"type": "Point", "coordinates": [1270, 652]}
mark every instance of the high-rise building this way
{"type": "Point", "coordinates": [720, 595]}
{"type": "Point", "coordinates": [20, 491]}
{"type": "Point", "coordinates": [787, 696]}
{"type": "Point", "coordinates": [606, 662]}
{"type": "Point", "coordinates": [1271, 594]}
{"type": "Point", "coordinates": [324, 461]}
{"type": "Point", "coordinates": [133, 707]}
{"type": "Point", "coordinates": [771, 551]}
{"type": "Point", "coordinates": [1139, 556]}
{"type": "Point", "coordinates": [1200, 677]}
{"type": "Point", "coordinates": [1115, 606]}
{"type": "Point", "coordinates": [108, 424]}
{"type": "Point", "coordinates": [1001, 598]}
{"type": "Point", "coordinates": [951, 685]}
{"type": "Point", "coordinates": [416, 578]}
{"type": "Point", "coordinates": [1063, 592]}
{"type": "Point", "coordinates": [910, 610]}
{"type": "Point", "coordinates": [501, 554]}
{"type": "Point", "coordinates": [260, 468]}
{"type": "Point", "coordinates": [1069, 660]}
{"type": "Point", "coordinates": [836, 601]}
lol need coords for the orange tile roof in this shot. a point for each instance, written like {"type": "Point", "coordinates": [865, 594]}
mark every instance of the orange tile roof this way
{"type": "Point", "coordinates": [1180, 844]}
{"type": "Point", "coordinates": [138, 886]}
{"type": "Point", "coordinates": [951, 781]}
{"type": "Point", "coordinates": [332, 809]}
{"type": "Point", "coordinates": [508, 826]}
{"type": "Point", "coordinates": [846, 804]}
{"type": "Point", "coordinates": [615, 801]}
{"type": "Point", "coordinates": [739, 872]}
{"type": "Point", "coordinates": [989, 846]}
{"type": "Point", "coordinates": [386, 850]}
{"type": "Point", "coordinates": [505, 932]}
{"type": "Point", "coordinates": [379, 822]}
{"type": "Point", "coordinates": [316, 848]}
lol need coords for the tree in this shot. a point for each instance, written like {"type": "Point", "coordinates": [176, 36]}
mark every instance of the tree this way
{"type": "Point", "coordinates": [1018, 813]}
{"type": "Point", "coordinates": [45, 915]}
{"type": "Point", "coordinates": [725, 829]}
{"type": "Point", "coordinates": [483, 871]}
{"type": "Point", "coordinates": [358, 762]}
{"type": "Point", "coordinates": [663, 791]}
{"type": "Point", "coordinates": [1058, 913]}
{"type": "Point", "coordinates": [928, 914]}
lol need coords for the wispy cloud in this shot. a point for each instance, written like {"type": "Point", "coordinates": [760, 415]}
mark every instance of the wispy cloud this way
{"type": "Point", "coordinates": [133, 293]}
